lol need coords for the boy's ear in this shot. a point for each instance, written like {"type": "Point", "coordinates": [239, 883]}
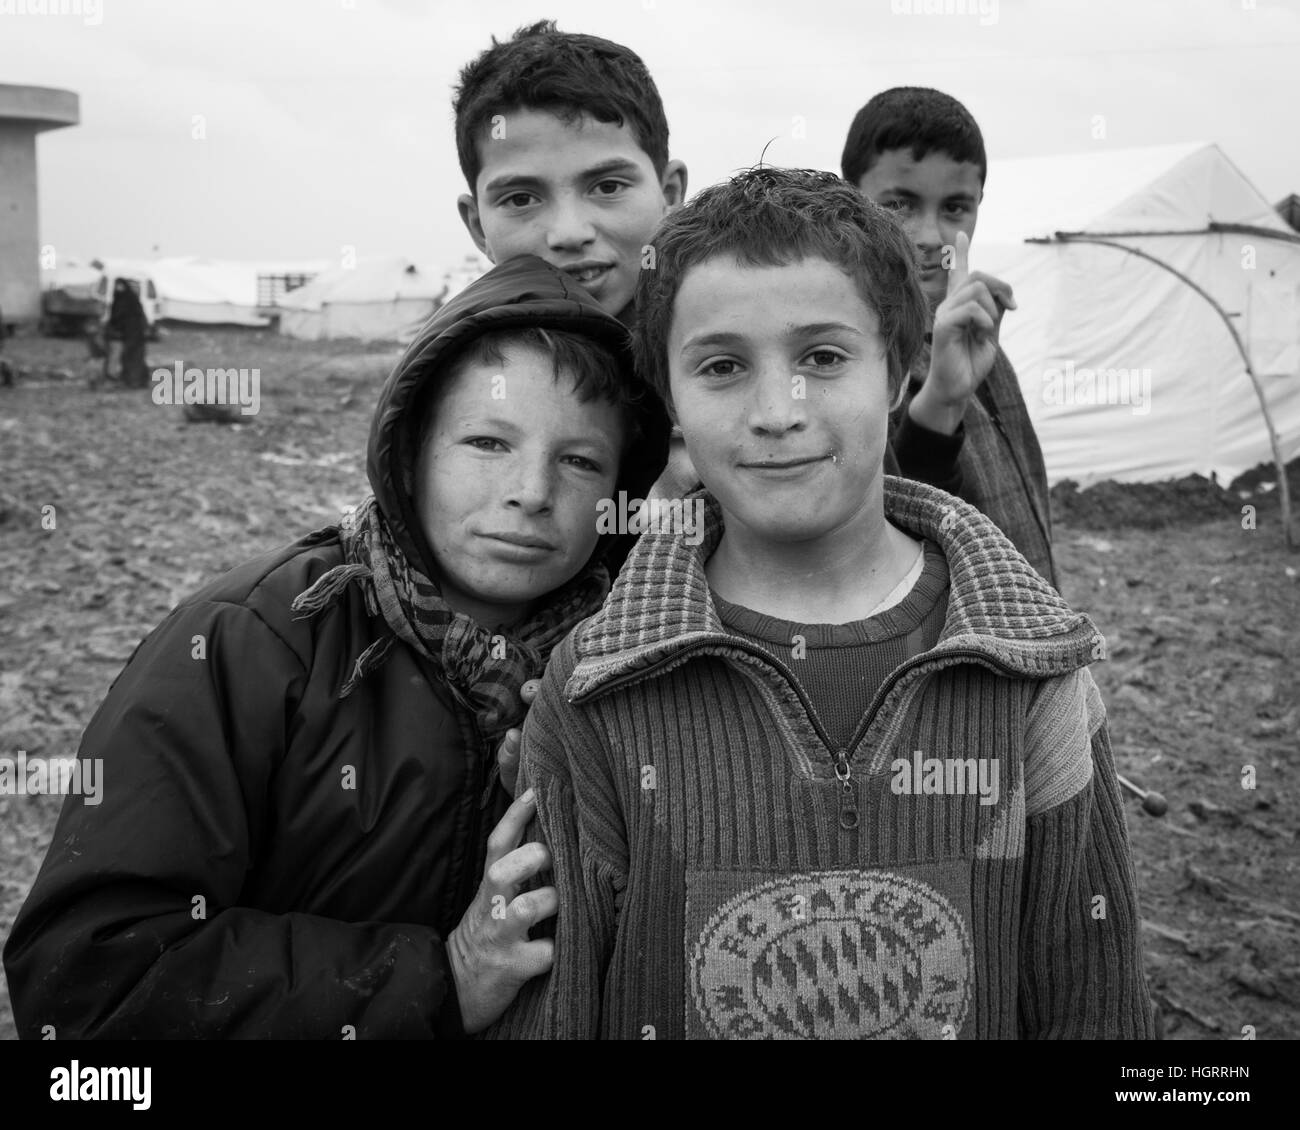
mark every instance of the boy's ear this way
{"type": "Point", "coordinates": [467, 206]}
{"type": "Point", "coordinates": [901, 394]}
{"type": "Point", "coordinates": [673, 184]}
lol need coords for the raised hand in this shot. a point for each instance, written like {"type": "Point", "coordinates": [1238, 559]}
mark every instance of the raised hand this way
{"type": "Point", "coordinates": [964, 344]}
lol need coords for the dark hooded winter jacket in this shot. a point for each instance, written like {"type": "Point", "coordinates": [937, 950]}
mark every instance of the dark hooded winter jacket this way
{"type": "Point", "coordinates": [230, 884]}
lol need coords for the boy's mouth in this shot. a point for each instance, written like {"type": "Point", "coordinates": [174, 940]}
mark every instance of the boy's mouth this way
{"type": "Point", "coordinates": [776, 466]}
{"type": "Point", "coordinates": [588, 272]}
{"type": "Point", "coordinates": [522, 541]}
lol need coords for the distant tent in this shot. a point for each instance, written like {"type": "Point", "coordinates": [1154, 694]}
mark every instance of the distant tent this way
{"type": "Point", "coordinates": [72, 276]}
{"type": "Point", "coordinates": [1095, 324]}
{"type": "Point", "coordinates": [471, 268]}
{"type": "Point", "coordinates": [377, 300]}
{"type": "Point", "coordinates": [212, 291]}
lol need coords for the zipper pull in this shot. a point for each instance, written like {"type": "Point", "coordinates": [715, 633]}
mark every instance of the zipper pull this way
{"type": "Point", "coordinates": [848, 795]}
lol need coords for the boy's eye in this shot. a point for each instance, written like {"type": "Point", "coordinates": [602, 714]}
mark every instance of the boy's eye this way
{"type": "Point", "coordinates": [825, 358]}
{"type": "Point", "coordinates": [894, 205]}
{"type": "Point", "coordinates": [485, 443]}
{"type": "Point", "coordinates": [723, 367]}
{"type": "Point", "coordinates": [584, 463]}
{"type": "Point", "coordinates": [956, 209]}
{"type": "Point", "coordinates": [516, 200]}
{"type": "Point", "coordinates": [610, 187]}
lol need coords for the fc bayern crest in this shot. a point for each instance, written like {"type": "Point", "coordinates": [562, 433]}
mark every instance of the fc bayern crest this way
{"type": "Point", "coordinates": [833, 955]}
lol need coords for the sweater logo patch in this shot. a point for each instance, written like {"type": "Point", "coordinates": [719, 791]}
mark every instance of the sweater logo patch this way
{"type": "Point", "coordinates": [827, 955]}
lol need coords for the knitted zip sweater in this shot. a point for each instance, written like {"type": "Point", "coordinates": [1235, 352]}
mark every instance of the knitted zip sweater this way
{"type": "Point", "coordinates": [724, 871]}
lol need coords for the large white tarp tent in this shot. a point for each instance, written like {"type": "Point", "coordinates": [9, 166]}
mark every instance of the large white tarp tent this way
{"type": "Point", "coordinates": [382, 299]}
{"type": "Point", "coordinates": [71, 275]}
{"type": "Point", "coordinates": [1127, 372]}
{"type": "Point", "coordinates": [212, 291]}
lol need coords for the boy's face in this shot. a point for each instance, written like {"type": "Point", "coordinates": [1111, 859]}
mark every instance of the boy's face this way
{"type": "Point", "coordinates": [780, 384]}
{"type": "Point", "coordinates": [581, 195]}
{"type": "Point", "coordinates": [934, 198]}
{"type": "Point", "coordinates": [507, 486]}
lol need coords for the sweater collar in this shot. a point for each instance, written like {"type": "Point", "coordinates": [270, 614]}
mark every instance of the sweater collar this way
{"type": "Point", "coordinates": [998, 607]}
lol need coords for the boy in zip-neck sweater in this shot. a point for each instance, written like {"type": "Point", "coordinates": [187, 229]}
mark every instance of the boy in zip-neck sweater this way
{"type": "Point", "coordinates": [838, 768]}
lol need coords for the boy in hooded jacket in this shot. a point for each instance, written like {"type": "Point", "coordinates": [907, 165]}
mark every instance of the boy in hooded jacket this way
{"type": "Point", "coordinates": [300, 789]}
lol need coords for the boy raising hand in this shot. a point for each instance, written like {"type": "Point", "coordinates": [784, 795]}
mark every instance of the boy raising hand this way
{"type": "Point", "coordinates": [963, 424]}
{"type": "Point", "coordinates": [965, 342]}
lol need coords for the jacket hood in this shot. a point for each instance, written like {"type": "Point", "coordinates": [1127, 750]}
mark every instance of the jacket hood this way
{"type": "Point", "coordinates": [1000, 609]}
{"type": "Point", "coordinates": [522, 292]}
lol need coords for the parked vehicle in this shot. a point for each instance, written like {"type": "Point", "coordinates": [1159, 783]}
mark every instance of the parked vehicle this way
{"type": "Point", "coordinates": [144, 288]}
{"type": "Point", "coordinates": [70, 302]}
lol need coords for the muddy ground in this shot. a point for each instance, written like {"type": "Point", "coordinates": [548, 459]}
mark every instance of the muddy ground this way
{"type": "Point", "coordinates": [1202, 616]}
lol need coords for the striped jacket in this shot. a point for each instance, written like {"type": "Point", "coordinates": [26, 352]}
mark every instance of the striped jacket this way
{"type": "Point", "coordinates": [725, 872]}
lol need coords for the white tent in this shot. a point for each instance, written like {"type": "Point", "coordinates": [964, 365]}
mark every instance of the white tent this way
{"type": "Point", "coordinates": [212, 291]}
{"type": "Point", "coordinates": [1127, 372]}
{"type": "Point", "coordinates": [470, 269]}
{"type": "Point", "coordinates": [71, 275]}
{"type": "Point", "coordinates": [376, 300]}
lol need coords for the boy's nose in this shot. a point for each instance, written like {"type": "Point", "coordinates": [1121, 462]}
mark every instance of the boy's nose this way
{"type": "Point", "coordinates": [531, 487]}
{"type": "Point", "coordinates": [779, 400]}
{"type": "Point", "coordinates": [570, 226]}
{"type": "Point", "coordinates": [924, 230]}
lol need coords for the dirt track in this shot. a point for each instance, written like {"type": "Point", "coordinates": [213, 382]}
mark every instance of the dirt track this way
{"type": "Point", "coordinates": [1202, 619]}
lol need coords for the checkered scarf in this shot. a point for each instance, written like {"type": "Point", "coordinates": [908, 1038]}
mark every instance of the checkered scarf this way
{"type": "Point", "coordinates": [486, 671]}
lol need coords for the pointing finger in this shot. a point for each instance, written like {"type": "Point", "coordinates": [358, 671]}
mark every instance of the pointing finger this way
{"type": "Point", "coordinates": [960, 269]}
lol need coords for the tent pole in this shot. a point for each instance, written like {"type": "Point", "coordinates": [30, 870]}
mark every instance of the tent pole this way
{"type": "Point", "coordinates": [1069, 237]}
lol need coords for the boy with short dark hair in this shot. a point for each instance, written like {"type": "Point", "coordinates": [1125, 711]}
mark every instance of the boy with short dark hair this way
{"type": "Point", "coordinates": [963, 425]}
{"type": "Point", "coordinates": [840, 770]}
{"type": "Point", "coordinates": [564, 145]}
{"type": "Point", "coordinates": [563, 142]}
{"type": "Point", "coordinates": [300, 795]}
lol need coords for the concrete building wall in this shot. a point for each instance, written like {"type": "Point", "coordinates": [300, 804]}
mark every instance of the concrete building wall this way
{"type": "Point", "coordinates": [20, 273]}
{"type": "Point", "coordinates": [24, 112]}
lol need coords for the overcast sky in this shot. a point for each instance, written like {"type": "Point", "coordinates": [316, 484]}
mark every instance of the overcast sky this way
{"type": "Point", "coordinates": [328, 122]}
